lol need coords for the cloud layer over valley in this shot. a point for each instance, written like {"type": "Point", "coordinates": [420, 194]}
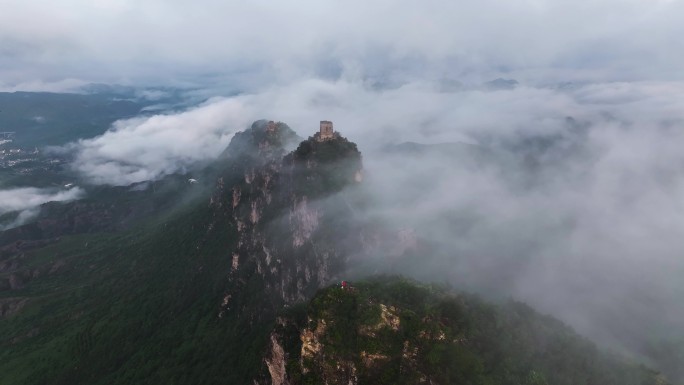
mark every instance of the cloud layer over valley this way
{"type": "Point", "coordinates": [146, 148]}
{"type": "Point", "coordinates": [563, 188]}
{"type": "Point", "coordinates": [567, 198]}
{"type": "Point", "coordinates": [28, 199]}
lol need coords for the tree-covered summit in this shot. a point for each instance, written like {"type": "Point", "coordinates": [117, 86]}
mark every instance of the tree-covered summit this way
{"type": "Point", "coordinates": [390, 330]}
{"type": "Point", "coordinates": [325, 166]}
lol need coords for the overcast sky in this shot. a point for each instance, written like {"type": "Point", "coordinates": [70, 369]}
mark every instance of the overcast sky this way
{"type": "Point", "coordinates": [256, 43]}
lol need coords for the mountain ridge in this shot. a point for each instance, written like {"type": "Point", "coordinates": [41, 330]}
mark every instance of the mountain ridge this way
{"type": "Point", "coordinates": [194, 293]}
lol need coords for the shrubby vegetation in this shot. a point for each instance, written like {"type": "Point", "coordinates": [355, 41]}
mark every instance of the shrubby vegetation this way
{"type": "Point", "coordinates": [452, 339]}
{"type": "Point", "coordinates": [322, 167]}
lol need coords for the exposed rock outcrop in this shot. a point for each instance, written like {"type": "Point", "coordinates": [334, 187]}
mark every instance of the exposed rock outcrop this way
{"type": "Point", "coordinates": [276, 362]}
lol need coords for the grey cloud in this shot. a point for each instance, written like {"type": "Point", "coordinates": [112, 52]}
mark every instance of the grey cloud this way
{"type": "Point", "coordinates": [589, 231]}
{"type": "Point", "coordinates": [23, 217]}
{"type": "Point", "coordinates": [28, 197]}
{"type": "Point", "coordinates": [581, 217]}
{"type": "Point", "coordinates": [26, 201]}
{"type": "Point", "coordinates": [60, 86]}
{"type": "Point", "coordinates": [147, 148]}
{"type": "Point", "coordinates": [162, 42]}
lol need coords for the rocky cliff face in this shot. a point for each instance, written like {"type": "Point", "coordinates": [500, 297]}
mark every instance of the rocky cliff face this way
{"type": "Point", "coordinates": [348, 337]}
{"type": "Point", "coordinates": [287, 216]}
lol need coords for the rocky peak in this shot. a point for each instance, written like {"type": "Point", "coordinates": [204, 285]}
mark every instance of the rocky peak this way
{"type": "Point", "coordinates": [286, 214]}
{"type": "Point", "coordinates": [264, 140]}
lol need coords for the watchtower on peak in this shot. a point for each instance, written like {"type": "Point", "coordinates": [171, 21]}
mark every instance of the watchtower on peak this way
{"type": "Point", "coordinates": [326, 132]}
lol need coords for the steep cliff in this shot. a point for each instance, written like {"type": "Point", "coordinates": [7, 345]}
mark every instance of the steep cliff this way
{"type": "Point", "coordinates": [289, 222]}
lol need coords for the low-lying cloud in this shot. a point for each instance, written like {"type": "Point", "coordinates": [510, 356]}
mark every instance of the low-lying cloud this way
{"type": "Point", "coordinates": [567, 197]}
{"type": "Point", "coordinates": [27, 201]}
{"type": "Point", "coordinates": [146, 148]}
{"type": "Point", "coordinates": [28, 197]}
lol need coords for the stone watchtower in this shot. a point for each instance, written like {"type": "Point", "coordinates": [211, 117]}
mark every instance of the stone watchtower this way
{"type": "Point", "coordinates": [326, 130]}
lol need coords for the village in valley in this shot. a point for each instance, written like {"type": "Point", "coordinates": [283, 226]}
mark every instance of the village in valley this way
{"type": "Point", "coordinates": [16, 160]}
